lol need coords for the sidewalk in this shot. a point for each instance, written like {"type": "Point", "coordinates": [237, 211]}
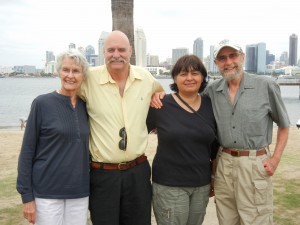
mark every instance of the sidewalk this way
{"type": "Point", "coordinates": [211, 215]}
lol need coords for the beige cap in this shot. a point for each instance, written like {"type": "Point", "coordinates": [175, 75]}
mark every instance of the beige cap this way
{"type": "Point", "coordinates": [226, 43]}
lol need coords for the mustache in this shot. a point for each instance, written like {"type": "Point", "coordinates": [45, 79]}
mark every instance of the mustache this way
{"type": "Point", "coordinates": [117, 60]}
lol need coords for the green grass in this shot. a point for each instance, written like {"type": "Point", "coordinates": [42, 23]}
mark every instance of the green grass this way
{"type": "Point", "coordinates": [290, 159]}
{"type": "Point", "coordinates": [286, 197]}
{"type": "Point", "coordinates": [8, 187]}
{"type": "Point", "coordinates": [283, 221]}
{"type": "Point", "coordinates": [286, 191]}
{"type": "Point", "coordinates": [290, 197]}
{"type": "Point", "coordinates": [11, 216]}
{"type": "Point", "coordinates": [286, 201]}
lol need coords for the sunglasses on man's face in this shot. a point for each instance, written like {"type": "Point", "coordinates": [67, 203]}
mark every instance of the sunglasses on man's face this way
{"type": "Point", "coordinates": [123, 141]}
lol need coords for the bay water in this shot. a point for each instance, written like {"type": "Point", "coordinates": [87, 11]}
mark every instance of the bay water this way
{"type": "Point", "coordinates": [17, 94]}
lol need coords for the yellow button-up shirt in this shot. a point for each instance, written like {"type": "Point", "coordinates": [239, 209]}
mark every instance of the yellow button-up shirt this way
{"type": "Point", "coordinates": [109, 112]}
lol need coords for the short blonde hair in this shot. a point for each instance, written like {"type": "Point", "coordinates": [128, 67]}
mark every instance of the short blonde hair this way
{"type": "Point", "coordinates": [76, 55]}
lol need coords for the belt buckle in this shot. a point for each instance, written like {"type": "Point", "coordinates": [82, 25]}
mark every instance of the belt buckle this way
{"type": "Point", "coordinates": [122, 166]}
{"type": "Point", "coordinates": [235, 153]}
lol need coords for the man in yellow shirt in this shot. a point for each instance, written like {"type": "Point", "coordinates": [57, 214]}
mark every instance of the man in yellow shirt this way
{"type": "Point", "coordinates": [118, 96]}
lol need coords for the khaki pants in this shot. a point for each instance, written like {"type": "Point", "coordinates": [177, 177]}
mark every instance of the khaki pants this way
{"type": "Point", "coordinates": [243, 190]}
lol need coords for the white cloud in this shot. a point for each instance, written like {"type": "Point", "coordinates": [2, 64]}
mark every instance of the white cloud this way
{"type": "Point", "coordinates": [31, 27]}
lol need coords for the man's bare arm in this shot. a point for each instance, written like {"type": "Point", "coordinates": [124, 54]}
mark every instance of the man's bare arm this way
{"type": "Point", "coordinates": [156, 99]}
{"type": "Point", "coordinates": [271, 164]}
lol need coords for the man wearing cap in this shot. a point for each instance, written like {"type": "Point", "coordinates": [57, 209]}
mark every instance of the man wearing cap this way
{"type": "Point", "coordinates": [245, 107]}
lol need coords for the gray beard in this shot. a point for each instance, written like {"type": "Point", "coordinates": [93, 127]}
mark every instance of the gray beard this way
{"type": "Point", "coordinates": [232, 76]}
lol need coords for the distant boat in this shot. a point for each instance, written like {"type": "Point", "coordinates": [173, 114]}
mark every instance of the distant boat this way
{"type": "Point", "coordinates": [298, 124]}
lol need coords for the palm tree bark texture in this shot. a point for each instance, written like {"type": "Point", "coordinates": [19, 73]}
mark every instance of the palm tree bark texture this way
{"type": "Point", "coordinates": [122, 19]}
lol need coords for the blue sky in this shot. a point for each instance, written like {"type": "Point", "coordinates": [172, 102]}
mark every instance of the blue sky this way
{"type": "Point", "coordinates": [28, 28]}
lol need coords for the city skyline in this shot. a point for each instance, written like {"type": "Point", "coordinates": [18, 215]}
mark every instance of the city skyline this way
{"type": "Point", "coordinates": [31, 27]}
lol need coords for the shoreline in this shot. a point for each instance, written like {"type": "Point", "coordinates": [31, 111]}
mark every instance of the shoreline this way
{"type": "Point", "coordinates": [10, 128]}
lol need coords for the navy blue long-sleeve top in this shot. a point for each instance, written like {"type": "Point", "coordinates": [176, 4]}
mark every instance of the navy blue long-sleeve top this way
{"type": "Point", "coordinates": [186, 143]}
{"type": "Point", "coordinates": [54, 158]}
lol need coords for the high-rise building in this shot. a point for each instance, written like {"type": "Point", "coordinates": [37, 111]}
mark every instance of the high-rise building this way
{"type": "Point", "coordinates": [198, 48]}
{"type": "Point", "coordinates": [25, 69]}
{"type": "Point", "coordinates": [261, 58]}
{"type": "Point", "coordinates": [6, 69]}
{"type": "Point", "coordinates": [293, 47]}
{"type": "Point", "coordinates": [49, 56]}
{"type": "Point", "coordinates": [256, 58]}
{"type": "Point", "coordinates": [93, 60]}
{"type": "Point", "coordinates": [50, 62]}
{"type": "Point", "coordinates": [166, 63]}
{"type": "Point", "coordinates": [212, 66]}
{"type": "Point", "coordinates": [89, 50]}
{"type": "Point", "coordinates": [81, 49]}
{"type": "Point", "coordinates": [50, 67]}
{"type": "Point", "coordinates": [140, 45]}
{"type": "Point", "coordinates": [250, 59]}
{"type": "Point", "coordinates": [101, 40]}
{"type": "Point", "coordinates": [269, 58]}
{"type": "Point", "coordinates": [177, 53]}
{"type": "Point", "coordinates": [72, 45]}
{"type": "Point", "coordinates": [284, 57]}
{"type": "Point", "coordinates": [90, 56]}
{"type": "Point", "coordinates": [152, 60]}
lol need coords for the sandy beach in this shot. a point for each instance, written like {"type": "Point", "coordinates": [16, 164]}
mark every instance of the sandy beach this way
{"type": "Point", "coordinates": [10, 143]}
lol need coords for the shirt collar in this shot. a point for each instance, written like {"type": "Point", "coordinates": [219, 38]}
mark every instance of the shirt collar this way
{"type": "Point", "coordinates": [246, 83]}
{"type": "Point", "coordinates": [106, 78]}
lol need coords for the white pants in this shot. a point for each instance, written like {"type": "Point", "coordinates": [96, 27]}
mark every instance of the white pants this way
{"type": "Point", "coordinates": [61, 211]}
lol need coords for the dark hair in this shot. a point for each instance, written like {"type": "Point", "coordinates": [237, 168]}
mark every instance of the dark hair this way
{"type": "Point", "coordinates": [187, 63]}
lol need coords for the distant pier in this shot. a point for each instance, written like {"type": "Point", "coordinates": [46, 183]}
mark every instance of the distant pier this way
{"type": "Point", "coordinates": [289, 82]}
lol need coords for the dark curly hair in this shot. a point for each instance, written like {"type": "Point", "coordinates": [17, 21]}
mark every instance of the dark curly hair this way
{"type": "Point", "coordinates": [187, 63]}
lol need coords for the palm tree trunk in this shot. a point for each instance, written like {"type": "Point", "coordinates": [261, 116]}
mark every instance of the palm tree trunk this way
{"type": "Point", "coordinates": [122, 19]}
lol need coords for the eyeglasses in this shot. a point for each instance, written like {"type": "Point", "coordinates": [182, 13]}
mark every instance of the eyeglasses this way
{"type": "Point", "coordinates": [232, 56]}
{"type": "Point", "coordinates": [123, 141]}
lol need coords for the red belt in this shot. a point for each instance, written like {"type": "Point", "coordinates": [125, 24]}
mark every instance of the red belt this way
{"type": "Point", "coordinates": [241, 152]}
{"type": "Point", "coordinates": [118, 166]}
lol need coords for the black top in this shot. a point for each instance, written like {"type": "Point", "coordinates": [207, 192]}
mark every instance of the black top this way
{"type": "Point", "coordinates": [54, 159]}
{"type": "Point", "coordinates": [186, 144]}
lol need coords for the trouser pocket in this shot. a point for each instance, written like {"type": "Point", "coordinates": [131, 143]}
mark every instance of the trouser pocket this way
{"type": "Point", "coordinates": [261, 192]}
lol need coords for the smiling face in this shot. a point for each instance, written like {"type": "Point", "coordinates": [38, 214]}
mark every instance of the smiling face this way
{"type": "Point", "coordinates": [71, 75]}
{"type": "Point", "coordinates": [189, 82]}
{"type": "Point", "coordinates": [117, 51]}
{"type": "Point", "coordinates": [230, 63]}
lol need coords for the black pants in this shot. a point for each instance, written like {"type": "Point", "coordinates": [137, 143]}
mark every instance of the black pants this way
{"type": "Point", "coordinates": [121, 197]}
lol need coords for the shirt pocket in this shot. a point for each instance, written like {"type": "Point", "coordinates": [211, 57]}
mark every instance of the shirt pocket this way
{"type": "Point", "coordinates": [255, 122]}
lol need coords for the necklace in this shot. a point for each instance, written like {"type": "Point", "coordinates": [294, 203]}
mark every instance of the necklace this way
{"type": "Point", "coordinates": [196, 113]}
{"type": "Point", "coordinates": [194, 103]}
